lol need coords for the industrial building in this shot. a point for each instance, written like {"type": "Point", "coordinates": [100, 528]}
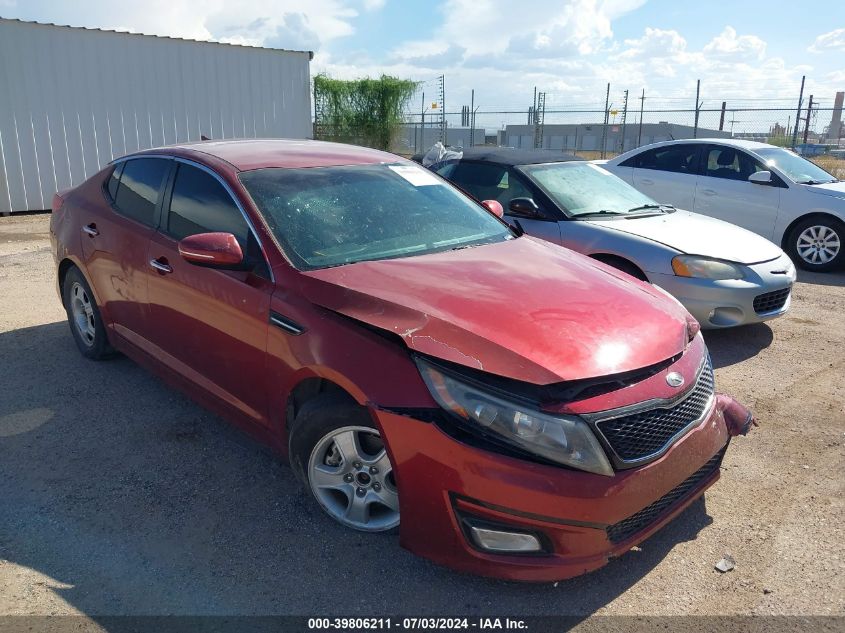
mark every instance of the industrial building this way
{"type": "Point", "coordinates": [72, 99]}
{"type": "Point", "coordinates": [588, 137]}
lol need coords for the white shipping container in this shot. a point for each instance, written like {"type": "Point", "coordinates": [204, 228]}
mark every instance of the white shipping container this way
{"type": "Point", "coordinates": [72, 99]}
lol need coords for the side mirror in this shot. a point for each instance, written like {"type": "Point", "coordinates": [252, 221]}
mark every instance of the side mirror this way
{"type": "Point", "coordinates": [524, 208]}
{"type": "Point", "coordinates": [213, 250]}
{"type": "Point", "coordinates": [494, 207]}
{"type": "Point", "coordinates": [763, 177]}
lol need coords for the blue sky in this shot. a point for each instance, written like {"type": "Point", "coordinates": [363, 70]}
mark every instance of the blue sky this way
{"type": "Point", "coordinates": [569, 48]}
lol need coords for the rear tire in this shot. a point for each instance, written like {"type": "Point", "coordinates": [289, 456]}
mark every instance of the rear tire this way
{"type": "Point", "coordinates": [337, 451]}
{"type": "Point", "coordinates": [817, 244]}
{"type": "Point", "coordinates": [83, 316]}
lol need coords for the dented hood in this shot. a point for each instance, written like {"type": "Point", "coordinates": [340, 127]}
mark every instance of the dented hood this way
{"type": "Point", "coordinates": [525, 309]}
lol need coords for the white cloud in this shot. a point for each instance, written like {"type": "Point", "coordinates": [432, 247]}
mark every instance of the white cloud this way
{"type": "Point", "coordinates": [728, 44]}
{"type": "Point", "coordinates": [831, 41]}
{"type": "Point", "coordinates": [373, 5]}
{"type": "Point", "coordinates": [655, 43]}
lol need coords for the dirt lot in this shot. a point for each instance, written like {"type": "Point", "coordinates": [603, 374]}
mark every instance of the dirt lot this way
{"type": "Point", "coordinates": [120, 496]}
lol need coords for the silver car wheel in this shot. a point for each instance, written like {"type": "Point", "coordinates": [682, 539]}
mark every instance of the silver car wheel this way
{"type": "Point", "coordinates": [352, 478]}
{"type": "Point", "coordinates": [818, 244]}
{"type": "Point", "coordinates": [83, 313]}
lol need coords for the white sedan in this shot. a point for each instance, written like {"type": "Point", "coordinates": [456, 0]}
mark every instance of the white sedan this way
{"type": "Point", "coordinates": [766, 189]}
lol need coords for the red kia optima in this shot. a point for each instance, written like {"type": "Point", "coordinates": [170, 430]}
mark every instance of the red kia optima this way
{"type": "Point", "coordinates": [527, 412]}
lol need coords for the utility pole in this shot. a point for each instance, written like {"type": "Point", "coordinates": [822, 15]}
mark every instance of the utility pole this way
{"type": "Point", "coordinates": [472, 118]}
{"type": "Point", "coordinates": [422, 123]}
{"type": "Point", "coordinates": [443, 109]}
{"type": "Point", "coordinates": [604, 125]}
{"type": "Point", "coordinates": [640, 131]}
{"type": "Point", "coordinates": [624, 121]}
{"type": "Point", "coordinates": [697, 107]}
{"type": "Point", "coordinates": [798, 116]}
{"type": "Point", "coordinates": [807, 120]}
{"type": "Point", "coordinates": [722, 118]}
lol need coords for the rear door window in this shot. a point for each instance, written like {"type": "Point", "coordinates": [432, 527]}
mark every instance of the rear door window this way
{"type": "Point", "coordinates": [481, 180]}
{"type": "Point", "coordinates": [681, 159]}
{"type": "Point", "coordinates": [139, 188]}
{"type": "Point", "coordinates": [201, 204]}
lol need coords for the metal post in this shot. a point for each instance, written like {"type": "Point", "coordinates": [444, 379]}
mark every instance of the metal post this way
{"type": "Point", "coordinates": [422, 123]}
{"type": "Point", "coordinates": [640, 131]}
{"type": "Point", "coordinates": [798, 116]}
{"type": "Point", "coordinates": [807, 120]}
{"type": "Point", "coordinates": [472, 119]}
{"type": "Point", "coordinates": [697, 107]}
{"type": "Point", "coordinates": [604, 125]}
{"type": "Point", "coordinates": [722, 118]}
{"type": "Point", "coordinates": [624, 122]}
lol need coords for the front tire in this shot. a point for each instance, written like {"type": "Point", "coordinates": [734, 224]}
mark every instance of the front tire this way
{"type": "Point", "coordinates": [83, 316]}
{"type": "Point", "coordinates": [817, 243]}
{"type": "Point", "coordinates": [338, 452]}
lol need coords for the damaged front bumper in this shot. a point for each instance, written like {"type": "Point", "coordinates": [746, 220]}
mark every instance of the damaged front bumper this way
{"type": "Point", "coordinates": [579, 520]}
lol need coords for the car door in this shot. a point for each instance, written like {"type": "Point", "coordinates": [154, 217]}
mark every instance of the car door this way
{"type": "Point", "coordinates": [210, 325]}
{"type": "Point", "coordinates": [723, 190]}
{"type": "Point", "coordinates": [115, 241]}
{"type": "Point", "coordinates": [667, 173]}
{"type": "Point", "coordinates": [490, 181]}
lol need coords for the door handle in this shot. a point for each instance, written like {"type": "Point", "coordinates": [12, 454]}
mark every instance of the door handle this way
{"type": "Point", "coordinates": [708, 192]}
{"type": "Point", "coordinates": [161, 266]}
{"type": "Point", "coordinates": [91, 230]}
{"type": "Point", "coordinates": [646, 181]}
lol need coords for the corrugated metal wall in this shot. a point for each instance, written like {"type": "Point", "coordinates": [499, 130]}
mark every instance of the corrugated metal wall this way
{"type": "Point", "coordinates": [73, 99]}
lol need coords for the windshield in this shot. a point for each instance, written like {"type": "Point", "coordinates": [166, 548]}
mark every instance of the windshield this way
{"type": "Point", "coordinates": [582, 188]}
{"type": "Point", "coordinates": [329, 216]}
{"type": "Point", "coordinates": [796, 168]}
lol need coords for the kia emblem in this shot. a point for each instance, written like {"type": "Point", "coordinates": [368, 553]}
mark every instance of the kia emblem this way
{"type": "Point", "coordinates": [674, 379]}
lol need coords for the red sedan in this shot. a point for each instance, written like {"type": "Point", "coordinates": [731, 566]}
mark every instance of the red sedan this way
{"type": "Point", "coordinates": [527, 411]}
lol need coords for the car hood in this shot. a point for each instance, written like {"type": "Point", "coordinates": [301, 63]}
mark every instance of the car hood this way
{"type": "Point", "coordinates": [524, 309]}
{"type": "Point", "coordinates": [697, 234]}
{"type": "Point", "coordinates": [835, 189]}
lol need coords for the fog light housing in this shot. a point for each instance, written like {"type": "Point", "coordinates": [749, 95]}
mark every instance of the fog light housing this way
{"type": "Point", "coordinates": [504, 542]}
{"type": "Point", "coordinates": [502, 539]}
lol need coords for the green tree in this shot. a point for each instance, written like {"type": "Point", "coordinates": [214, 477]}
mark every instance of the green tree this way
{"type": "Point", "coordinates": [361, 111]}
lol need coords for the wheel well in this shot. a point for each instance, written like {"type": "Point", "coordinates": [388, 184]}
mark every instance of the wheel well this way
{"type": "Point", "coordinates": [64, 266]}
{"type": "Point", "coordinates": [800, 219]}
{"type": "Point", "coordinates": [621, 263]}
{"type": "Point", "coordinates": [309, 389]}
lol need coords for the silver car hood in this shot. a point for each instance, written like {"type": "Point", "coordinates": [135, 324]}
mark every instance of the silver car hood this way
{"type": "Point", "coordinates": [697, 235]}
{"type": "Point", "coordinates": [835, 189]}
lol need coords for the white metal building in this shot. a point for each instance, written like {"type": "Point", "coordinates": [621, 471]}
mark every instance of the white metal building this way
{"type": "Point", "coordinates": [72, 99]}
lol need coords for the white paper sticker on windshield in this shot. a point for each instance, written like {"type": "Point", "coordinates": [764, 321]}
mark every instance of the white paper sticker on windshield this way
{"type": "Point", "coordinates": [417, 176]}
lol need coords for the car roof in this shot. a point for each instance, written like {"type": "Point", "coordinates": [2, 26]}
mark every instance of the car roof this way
{"type": "Point", "coordinates": [735, 142]}
{"type": "Point", "coordinates": [248, 154]}
{"type": "Point", "coordinates": [511, 156]}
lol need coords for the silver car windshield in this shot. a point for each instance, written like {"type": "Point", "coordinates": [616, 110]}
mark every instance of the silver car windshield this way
{"type": "Point", "coordinates": [330, 216]}
{"type": "Point", "coordinates": [798, 169]}
{"type": "Point", "coordinates": [581, 188]}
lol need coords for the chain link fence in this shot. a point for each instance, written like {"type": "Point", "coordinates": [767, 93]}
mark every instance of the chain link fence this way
{"type": "Point", "coordinates": [592, 133]}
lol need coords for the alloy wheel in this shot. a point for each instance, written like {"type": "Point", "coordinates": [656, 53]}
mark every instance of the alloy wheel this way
{"type": "Point", "coordinates": [82, 311]}
{"type": "Point", "coordinates": [351, 476]}
{"type": "Point", "coordinates": [818, 244]}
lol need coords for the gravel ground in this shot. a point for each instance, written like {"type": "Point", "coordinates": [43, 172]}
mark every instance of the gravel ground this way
{"type": "Point", "coordinates": [120, 496]}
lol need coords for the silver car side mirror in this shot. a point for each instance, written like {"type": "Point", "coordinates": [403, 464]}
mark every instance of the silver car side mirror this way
{"type": "Point", "coordinates": [763, 177]}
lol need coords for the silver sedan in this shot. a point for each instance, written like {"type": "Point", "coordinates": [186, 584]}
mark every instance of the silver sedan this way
{"type": "Point", "coordinates": [723, 274]}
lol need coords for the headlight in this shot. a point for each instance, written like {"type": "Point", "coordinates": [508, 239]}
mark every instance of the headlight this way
{"type": "Point", "coordinates": [562, 439]}
{"type": "Point", "coordinates": [706, 268]}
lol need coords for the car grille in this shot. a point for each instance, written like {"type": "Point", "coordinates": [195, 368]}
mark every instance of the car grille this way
{"type": "Point", "coordinates": [626, 528]}
{"type": "Point", "coordinates": [645, 434]}
{"type": "Point", "coordinates": [771, 301]}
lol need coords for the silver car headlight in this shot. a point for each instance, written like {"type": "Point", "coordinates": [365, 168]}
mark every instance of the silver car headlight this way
{"type": "Point", "coordinates": [564, 439]}
{"type": "Point", "coordinates": [706, 268]}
